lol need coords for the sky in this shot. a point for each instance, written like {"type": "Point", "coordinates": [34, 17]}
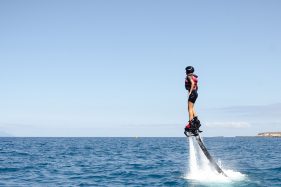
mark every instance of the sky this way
{"type": "Point", "coordinates": [117, 68]}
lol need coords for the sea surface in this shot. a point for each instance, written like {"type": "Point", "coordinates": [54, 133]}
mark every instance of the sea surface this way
{"type": "Point", "coordinates": [135, 161]}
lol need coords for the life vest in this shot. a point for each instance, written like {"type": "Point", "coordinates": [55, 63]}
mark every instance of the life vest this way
{"type": "Point", "coordinates": [188, 83]}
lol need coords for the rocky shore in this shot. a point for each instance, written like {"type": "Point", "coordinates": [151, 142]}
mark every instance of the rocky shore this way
{"type": "Point", "coordinates": [270, 134]}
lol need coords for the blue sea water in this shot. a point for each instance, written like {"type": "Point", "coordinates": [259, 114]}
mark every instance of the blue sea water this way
{"type": "Point", "coordinates": [132, 161]}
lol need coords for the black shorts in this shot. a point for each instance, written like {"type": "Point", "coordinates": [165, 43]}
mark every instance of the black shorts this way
{"type": "Point", "coordinates": [193, 96]}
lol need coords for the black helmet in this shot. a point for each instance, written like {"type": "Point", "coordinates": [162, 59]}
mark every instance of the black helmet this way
{"type": "Point", "coordinates": [189, 69]}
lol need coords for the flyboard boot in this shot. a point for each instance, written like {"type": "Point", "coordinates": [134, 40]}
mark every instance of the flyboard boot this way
{"type": "Point", "coordinates": [187, 128]}
{"type": "Point", "coordinates": [190, 129]}
{"type": "Point", "coordinates": [197, 124]}
{"type": "Point", "coordinates": [193, 127]}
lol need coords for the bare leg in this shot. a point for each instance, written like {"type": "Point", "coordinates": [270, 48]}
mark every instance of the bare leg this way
{"type": "Point", "coordinates": [194, 113]}
{"type": "Point", "coordinates": [190, 110]}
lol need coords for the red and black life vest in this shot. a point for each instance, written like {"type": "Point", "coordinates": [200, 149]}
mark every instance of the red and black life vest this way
{"type": "Point", "coordinates": [188, 83]}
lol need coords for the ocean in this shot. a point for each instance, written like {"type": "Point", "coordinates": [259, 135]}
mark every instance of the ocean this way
{"type": "Point", "coordinates": [248, 161]}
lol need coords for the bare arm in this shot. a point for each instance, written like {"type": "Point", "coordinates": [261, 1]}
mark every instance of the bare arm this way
{"type": "Point", "coordinates": [192, 84]}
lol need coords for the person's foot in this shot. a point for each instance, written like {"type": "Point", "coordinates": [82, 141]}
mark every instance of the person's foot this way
{"type": "Point", "coordinates": [197, 123]}
{"type": "Point", "coordinates": [193, 127]}
{"type": "Point", "coordinates": [187, 127]}
{"type": "Point", "coordinates": [193, 124]}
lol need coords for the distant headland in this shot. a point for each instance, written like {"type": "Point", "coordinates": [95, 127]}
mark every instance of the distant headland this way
{"type": "Point", "coordinates": [270, 134]}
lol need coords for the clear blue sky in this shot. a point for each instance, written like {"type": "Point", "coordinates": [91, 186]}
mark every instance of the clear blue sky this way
{"type": "Point", "coordinates": [116, 68]}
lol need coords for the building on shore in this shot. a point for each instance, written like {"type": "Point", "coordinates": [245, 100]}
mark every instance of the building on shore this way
{"type": "Point", "coordinates": [270, 134]}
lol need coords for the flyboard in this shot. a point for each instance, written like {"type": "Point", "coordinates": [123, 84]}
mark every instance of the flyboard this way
{"type": "Point", "coordinates": [206, 152]}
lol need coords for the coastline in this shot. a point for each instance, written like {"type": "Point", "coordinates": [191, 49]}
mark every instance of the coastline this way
{"type": "Point", "coordinates": [270, 134]}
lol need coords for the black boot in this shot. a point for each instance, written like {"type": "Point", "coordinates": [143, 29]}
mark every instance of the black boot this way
{"type": "Point", "coordinates": [193, 127]}
{"type": "Point", "coordinates": [197, 124]}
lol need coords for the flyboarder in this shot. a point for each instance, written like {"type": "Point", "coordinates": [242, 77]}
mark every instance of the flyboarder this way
{"type": "Point", "coordinates": [192, 127]}
{"type": "Point", "coordinates": [191, 84]}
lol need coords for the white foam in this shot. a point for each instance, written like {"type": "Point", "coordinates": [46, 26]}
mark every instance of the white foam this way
{"type": "Point", "coordinates": [201, 171]}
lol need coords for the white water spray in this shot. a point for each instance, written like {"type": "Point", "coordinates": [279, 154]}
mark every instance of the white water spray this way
{"type": "Point", "coordinates": [201, 170]}
{"type": "Point", "coordinates": [192, 158]}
